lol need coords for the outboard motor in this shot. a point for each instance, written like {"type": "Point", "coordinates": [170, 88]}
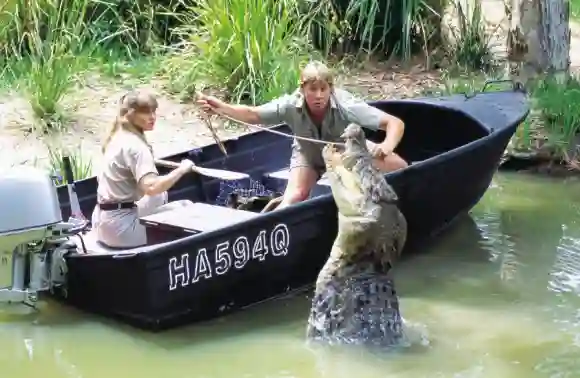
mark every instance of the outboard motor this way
{"type": "Point", "coordinates": [33, 237]}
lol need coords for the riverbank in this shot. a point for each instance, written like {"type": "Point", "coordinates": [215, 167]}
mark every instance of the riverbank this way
{"type": "Point", "coordinates": [90, 107]}
{"type": "Point", "coordinates": [59, 101]}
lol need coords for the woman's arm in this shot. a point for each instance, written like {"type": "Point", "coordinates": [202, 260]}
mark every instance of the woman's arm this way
{"type": "Point", "coordinates": [153, 184]}
{"type": "Point", "coordinates": [142, 164]}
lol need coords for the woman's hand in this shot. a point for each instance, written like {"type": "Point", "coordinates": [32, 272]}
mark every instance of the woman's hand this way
{"type": "Point", "coordinates": [209, 104]}
{"type": "Point", "coordinates": [152, 184]}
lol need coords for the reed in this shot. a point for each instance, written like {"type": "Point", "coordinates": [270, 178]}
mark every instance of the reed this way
{"type": "Point", "coordinates": [82, 167]}
{"type": "Point", "coordinates": [43, 37]}
{"type": "Point", "coordinates": [470, 47]}
{"type": "Point", "coordinates": [252, 48]}
{"type": "Point", "coordinates": [557, 105]}
{"type": "Point", "coordinates": [47, 45]}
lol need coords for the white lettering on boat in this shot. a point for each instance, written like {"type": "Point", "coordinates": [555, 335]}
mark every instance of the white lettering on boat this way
{"type": "Point", "coordinates": [241, 251]}
{"type": "Point", "coordinates": [280, 240]}
{"type": "Point", "coordinates": [228, 254]}
{"type": "Point", "coordinates": [223, 260]}
{"type": "Point", "coordinates": [260, 249]}
{"type": "Point", "coordinates": [179, 273]}
{"type": "Point", "coordinates": [202, 266]}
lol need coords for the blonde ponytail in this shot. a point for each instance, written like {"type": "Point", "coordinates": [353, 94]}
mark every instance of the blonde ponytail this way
{"type": "Point", "coordinates": [112, 130]}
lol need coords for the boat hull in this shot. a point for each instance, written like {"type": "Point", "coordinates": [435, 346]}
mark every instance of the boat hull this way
{"type": "Point", "coordinates": [455, 143]}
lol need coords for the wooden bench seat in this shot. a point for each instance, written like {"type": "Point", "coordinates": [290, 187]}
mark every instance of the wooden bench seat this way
{"type": "Point", "coordinates": [196, 218]}
{"type": "Point", "coordinates": [279, 179]}
{"type": "Point", "coordinates": [284, 174]}
{"type": "Point", "coordinates": [170, 225]}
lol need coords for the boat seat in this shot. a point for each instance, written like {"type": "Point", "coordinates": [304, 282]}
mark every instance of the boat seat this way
{"type": "Point", "coordinates": [277, 180]}
{"type": "Point", "coordinates": [181, 222]}
{"type": "Point", "coordinates": [284, 174]}
{"type": "Point", "coordinates": [196, 218]}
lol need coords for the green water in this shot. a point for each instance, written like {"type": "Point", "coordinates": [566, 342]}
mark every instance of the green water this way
{"type": "Point", "coordinates": [497, 296]}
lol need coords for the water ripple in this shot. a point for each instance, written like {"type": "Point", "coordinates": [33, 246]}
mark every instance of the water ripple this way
{"type": "Point", "coordinates": [500, 246]}
{"type": "Point", "coordinates": [565, 275]}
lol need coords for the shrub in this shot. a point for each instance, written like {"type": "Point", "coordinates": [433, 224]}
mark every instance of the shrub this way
{"type": "Point", "coordinates": [253, 48]}
{"type": "Point", "coordinates": [44, 36]}
{"type": "Point", "coordinates": [393, 28]}
{"type": "Point", "coordinates": [470, 46]}
{"type": "Point", "coordinates": [81, 167]}
{"type": "Point", "coordinates": [559, 114]}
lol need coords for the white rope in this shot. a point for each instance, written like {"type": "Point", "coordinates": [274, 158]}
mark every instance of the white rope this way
{"type": "Point", "coordinates": [268, 129]}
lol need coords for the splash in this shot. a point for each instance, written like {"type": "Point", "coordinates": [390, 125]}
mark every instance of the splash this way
{"type": "Point", "coordinates": [363, 309]}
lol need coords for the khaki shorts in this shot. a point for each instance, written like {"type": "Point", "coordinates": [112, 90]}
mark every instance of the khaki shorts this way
{"type": "Point", "coordinates": [122, 229]}
{"type": "Point", "coordinates": [311, 157]}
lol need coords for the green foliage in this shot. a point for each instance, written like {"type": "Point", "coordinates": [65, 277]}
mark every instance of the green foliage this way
{"type": "Point", "coordinates": [466, 83]}
{"type": "Point", "coordinates": [43, 38]}
{"type": "Point", "coordinates": [557, 104]}
{"type": "Point", "coordinates": [253, 48]}
{"type": "Point", "coordinates": [575, 9]}
{"type": "Point", "coordinates": [471, 47]}
{"type": "Point", "coordinates": [393, 28]}
{"type": "Point", "coordinates": [81, 166]}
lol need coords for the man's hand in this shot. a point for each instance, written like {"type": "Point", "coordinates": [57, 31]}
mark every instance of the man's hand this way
{"type": "Point", "coordinates": [209, 104]}
{"type": "Point", "coordinates": [380, 151]}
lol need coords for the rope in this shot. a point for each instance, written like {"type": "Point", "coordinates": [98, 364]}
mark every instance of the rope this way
{"type": "Point", "coordinates": [268, 129]}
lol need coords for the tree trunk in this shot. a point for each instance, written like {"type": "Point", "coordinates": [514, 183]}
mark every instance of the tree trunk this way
{"type": "Point", "coordinates": [538, 38]}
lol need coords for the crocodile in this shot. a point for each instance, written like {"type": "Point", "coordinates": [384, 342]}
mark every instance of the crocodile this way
{"type": "Point", "coordinates": [355, 301]}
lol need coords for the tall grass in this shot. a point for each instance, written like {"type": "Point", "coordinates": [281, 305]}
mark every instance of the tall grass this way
{"type": "Point", "coordinates": [253, 48]}
{"type": "Point", "coordinates": [45, 45]}
{"type": "Point", "coordinates": [82, 166]}
{"type": "Point", "coordinates": [47, 33]}
{"type": "Point", "coordinates": [559, 114]}
{"type": "Point", "coordinates": [391, 28]}
{"type": "Point", "coordinates": [470, 46]}
{"type": "Point", "coordinates": [43, 36]}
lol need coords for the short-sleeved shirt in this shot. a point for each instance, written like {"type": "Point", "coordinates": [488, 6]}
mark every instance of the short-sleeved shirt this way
{"type": "Point", "coordinates": [345, 109]}
{"type": "Point", "coordinates": [127, 160]}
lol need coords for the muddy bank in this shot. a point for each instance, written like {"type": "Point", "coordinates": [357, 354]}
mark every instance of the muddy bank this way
{"type": "Point", "coordinates": [91, 109]}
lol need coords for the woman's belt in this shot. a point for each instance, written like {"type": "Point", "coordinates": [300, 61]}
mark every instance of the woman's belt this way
{"type": "Point", "coordinates": [117, 206]}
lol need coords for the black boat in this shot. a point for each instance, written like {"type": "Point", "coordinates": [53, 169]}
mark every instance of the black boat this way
{"type": "Point", "coordinates": [216, 259]}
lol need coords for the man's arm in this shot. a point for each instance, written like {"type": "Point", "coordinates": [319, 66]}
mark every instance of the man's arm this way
{"type": "Point", "coordinates": [395, 128]}
{"type": "Point", "coordinates": [271, 113]}
{"type": "Point", "coordinates": [244, 113]}
{"type": "Point", "coordinates": [361, 113]}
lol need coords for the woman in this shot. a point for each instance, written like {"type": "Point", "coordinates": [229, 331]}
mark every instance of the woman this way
{"type": "Point", "coordinates": [129, 185]}
{"type": "Point", "coordinates": [317, 110]}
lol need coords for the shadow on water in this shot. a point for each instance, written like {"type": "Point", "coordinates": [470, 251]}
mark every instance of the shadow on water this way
{"type": "Point", "coordinates": [498, 293]}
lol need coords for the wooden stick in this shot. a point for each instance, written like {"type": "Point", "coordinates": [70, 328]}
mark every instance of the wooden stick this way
{"type": "Point", "coordinates": [210, 172]}
{"type": "Point", "coordinates": [215, 136]}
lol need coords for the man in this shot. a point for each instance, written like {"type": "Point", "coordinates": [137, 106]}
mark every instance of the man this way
{"type": "Point", "coordinates": [320, 111]}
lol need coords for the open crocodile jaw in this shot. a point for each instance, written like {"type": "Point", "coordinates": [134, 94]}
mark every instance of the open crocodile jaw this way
{"type": "Point", "coordinates": [355, 301]}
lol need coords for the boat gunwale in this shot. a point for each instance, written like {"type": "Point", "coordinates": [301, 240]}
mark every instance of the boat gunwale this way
{"type": "Point", "coordinates": [447, 103]}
